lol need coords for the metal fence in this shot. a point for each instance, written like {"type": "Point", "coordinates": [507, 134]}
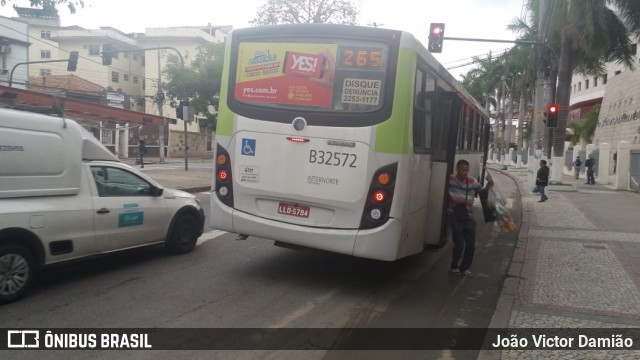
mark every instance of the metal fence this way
{"type": "Point", "coordinates": [596, 160]}
{"type": "Point", "coordinates": [634, 171]}
{"type": "Point", "coordinates": [568, 159]}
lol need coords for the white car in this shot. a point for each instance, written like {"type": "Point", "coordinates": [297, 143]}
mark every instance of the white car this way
{"type": "Point", "coordinates": [57, 207]}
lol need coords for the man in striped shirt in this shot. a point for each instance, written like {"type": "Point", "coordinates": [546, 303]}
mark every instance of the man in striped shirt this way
{"type": "Point", "coordinates": [462, 192]}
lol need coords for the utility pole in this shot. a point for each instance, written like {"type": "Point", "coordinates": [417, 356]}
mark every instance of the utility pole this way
{"type": "Point", "coordinates": [160, 99]}
{"type": "Point", "coordinates": [187, 115]}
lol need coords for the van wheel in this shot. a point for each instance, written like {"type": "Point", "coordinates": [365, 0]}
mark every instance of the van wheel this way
{"type": "Point", "coordinates": [184, 234]}
{"type": "Point", "coordinates": [17, 271]}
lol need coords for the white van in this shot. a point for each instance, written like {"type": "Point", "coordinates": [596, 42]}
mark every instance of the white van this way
{"type": "Point", "coordinates": [64, 196]}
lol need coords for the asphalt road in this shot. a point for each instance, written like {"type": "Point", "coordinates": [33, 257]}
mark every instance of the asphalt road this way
{"type": "Point", "coordinates": [225, 283]}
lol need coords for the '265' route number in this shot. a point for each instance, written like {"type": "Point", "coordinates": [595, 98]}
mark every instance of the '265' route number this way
{"type": "Point", "coordinates": [332, 158]}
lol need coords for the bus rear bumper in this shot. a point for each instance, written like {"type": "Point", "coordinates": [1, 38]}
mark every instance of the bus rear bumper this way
{"type": "Point", "coordinates": [381, 243]}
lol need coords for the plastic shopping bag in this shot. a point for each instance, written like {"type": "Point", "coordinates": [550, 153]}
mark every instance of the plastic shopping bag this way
{"type": "Point", "coordinates": [501, 213]}
{"type": "Point", "coordinates": [488, 210]}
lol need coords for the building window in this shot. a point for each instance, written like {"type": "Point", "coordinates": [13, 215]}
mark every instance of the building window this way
{"type": "Point", "coordinates": [574, 88]}
{"type": "Point", "coordinates": [617, 72]}
{"type": "Point", "coordinates": [125, 54]}
{"type": "Point", "coordinates": [580, 86]}
{"type": "Point", "coordinates": [586, 84]}
{"type": "Point", "coordinates": [94, 50]}
{"type": "Point", "coordinates": [144, 84]}
{"type": "Point", "coordinates": [135, 57]}
{"type": "Point", "coordinates": [45, 72]}
{"type": "Point", "coordinates": [604, 79]}
{"type": "Point", "coordinates": [115, 76]}
{"type": "Point", "coordinates": [595, 81]}
{"type": "Point", "coordinates": [45, 34]}
{"type": "Point", "coordinates": [125, 77]}
{"type": "Point", "coordinates": [634, 49]}
{"type": "Point", "coordinates": [135, 79]}
{"type": "Point", "coordinates": [45, 54]}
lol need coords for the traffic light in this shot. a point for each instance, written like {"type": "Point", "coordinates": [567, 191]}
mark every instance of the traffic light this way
{"type": "Point", "coordinates": [552, 115]}
{"type": "Point", "coordinates": [106, 54]}
{"type": "Point", "coordinates": [73, 61]}
{"type": "Point", "coordinates": [436, 36]}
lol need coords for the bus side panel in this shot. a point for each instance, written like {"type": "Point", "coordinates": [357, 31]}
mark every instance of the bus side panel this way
{"type": "Point", "coordinates": [224, 125]}
{"type": "Point", "coordinates": [393, 135]}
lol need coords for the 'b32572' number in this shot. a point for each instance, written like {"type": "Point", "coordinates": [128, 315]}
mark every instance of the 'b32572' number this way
{"type": "Point", "coordinates": [332, 158]}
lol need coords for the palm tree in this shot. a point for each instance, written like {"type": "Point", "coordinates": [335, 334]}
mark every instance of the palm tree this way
{"type": "Point", "coordinates": [583, 131]}
{"type": "Point", "coordinates": [587, 34]}
{"type": "Point", "coordinates": [487, 77]}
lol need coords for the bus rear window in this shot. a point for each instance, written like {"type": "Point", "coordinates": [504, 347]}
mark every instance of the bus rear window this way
{"type": "Point", "coordinates": [344, 76]}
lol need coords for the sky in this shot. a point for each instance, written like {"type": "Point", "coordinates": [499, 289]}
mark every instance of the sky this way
{"type": "Point", "coordinates": [478, 19]}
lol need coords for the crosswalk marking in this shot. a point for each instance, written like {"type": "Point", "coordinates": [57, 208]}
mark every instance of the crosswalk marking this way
{"type": "Point", "coordinates": [209, 235]}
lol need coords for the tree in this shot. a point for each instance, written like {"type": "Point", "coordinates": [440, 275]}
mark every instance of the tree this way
{"type": "Point", "coordinates": [583, 131]}
{"type": "Point", "coordinates": [199, 81]}
{"type": "Point", "coordinates": [51, 4]}
{"type": "Point", "coordinates": [488, 76]}
{"type": "Point", "coordinates": [588, 34]}
{"type": "Point", "coordinates": [306, 11]}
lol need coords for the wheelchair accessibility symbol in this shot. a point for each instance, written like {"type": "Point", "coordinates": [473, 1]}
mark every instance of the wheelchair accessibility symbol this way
{"type": "Point", "coordinates": [249, 147]}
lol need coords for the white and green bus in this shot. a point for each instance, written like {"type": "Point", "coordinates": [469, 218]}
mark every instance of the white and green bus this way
{"type": "Point", "coordinates": [340, 138]}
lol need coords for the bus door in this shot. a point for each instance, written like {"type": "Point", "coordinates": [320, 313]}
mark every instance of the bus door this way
{"type": "Point", "coordinates": [446, 109]}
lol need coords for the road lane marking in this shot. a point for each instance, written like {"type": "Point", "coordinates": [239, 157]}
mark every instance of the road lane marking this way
{"type": "Point", "coordinates": [209, 235]}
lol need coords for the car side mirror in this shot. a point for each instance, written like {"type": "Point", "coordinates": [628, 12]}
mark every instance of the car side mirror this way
{"type": "Point", "coordinates": [156, 191]}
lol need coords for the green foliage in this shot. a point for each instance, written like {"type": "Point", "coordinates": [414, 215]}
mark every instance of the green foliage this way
{"type": "Point", "coordinates": [585, 129]}
{"type": "Point", "coordinates": [306, 12]}
{"type": "Point", "coordinates": [198, 81]}
{"type": "Point", "coordinates": [51, 4]}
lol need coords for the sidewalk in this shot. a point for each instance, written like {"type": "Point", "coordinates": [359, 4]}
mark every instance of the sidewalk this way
{"type": "Point", "coordinates": [576, 265]}
{"type": "Point", "coordinates": [172, 173]}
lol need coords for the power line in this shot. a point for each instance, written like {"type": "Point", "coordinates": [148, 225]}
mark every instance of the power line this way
{"type": "Point", "coordinates": [67, 51]}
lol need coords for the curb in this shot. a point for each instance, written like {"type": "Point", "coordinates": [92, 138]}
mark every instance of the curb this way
{"type": "Point", "coordinates": [509, 292]}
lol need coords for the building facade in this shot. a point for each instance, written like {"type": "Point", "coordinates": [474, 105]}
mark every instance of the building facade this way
{"type": "Point", "coordinates": [14, 49]}
{"type": "Point", "coordinates": [129, 82]}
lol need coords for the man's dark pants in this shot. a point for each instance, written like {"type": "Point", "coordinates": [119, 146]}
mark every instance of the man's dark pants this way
{"type": "Point", "coordinates": [464, 242]}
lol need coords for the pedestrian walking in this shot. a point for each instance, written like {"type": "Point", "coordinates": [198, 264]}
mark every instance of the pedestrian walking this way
{"type": "Point", "coordinates": [542, 180]}
{"type": "Point", "coordinates": [590, 164]}
{"type": "Point", "coordinates": [576, 167]}
{"type": "Point", "coordinates": [142, 151]}
{"type": "Point", "coordinates": [462, 192]}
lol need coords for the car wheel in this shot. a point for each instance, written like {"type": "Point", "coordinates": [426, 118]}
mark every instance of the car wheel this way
{"type": "Point", "coordinates": [184, 234]}
{"type": "Point", "coordinates": [17, 270]}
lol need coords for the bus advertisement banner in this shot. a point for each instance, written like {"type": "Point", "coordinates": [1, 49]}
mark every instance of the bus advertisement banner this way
{"type": "Point", "coordinates": [286, 73]}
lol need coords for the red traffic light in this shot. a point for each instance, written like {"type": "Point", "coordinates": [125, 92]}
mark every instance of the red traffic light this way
{"type": "Point", "coordinates": [437, 29]}
{"type": "Point", "coordinates": [436, 36]}
{"type": "Point", "coordinates": [552, 115]}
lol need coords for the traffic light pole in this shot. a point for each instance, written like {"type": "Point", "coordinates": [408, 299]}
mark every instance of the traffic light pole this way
{"type": "Point", "coordinates": [160, 100]}
{"type": "Point", "coordinates": [31, 62]}
{"type": "Point", "coordinates": [495, 40]}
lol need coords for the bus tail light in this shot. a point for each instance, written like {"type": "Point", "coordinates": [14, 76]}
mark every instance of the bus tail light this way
{"type": "Point", "coordinates": [224, 185]}
{"type": "Point", "coordinates": [379, 198]}
{"type": "Point", "coordinates": [223, 175]}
